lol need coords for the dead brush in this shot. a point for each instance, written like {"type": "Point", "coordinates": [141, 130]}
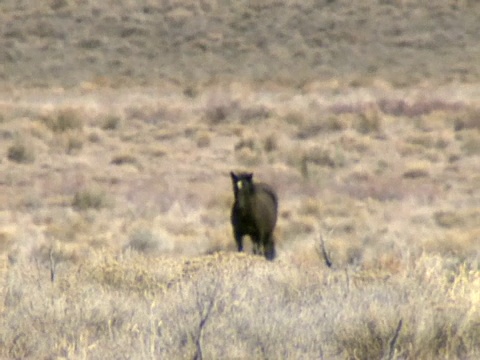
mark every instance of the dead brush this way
{"type": "Point", "coordinates": [322, 251]}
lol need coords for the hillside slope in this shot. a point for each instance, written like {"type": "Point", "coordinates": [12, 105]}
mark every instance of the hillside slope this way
{"type": "Point", "coordinates": [65, 42]}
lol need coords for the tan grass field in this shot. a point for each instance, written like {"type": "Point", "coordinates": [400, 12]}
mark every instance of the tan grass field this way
{"type": "Point", "coordinates": [119, 126]}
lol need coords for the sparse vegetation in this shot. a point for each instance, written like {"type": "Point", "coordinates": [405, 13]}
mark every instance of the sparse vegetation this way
{"type": "Point", "coordinates": [115, 238]}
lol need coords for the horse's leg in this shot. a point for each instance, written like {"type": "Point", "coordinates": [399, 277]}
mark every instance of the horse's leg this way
{"type": "Point", "coordinates": [269, 247]}
{"type": "Point", "coordinates": [239, 240]}
{"type": "Point", "coordinates": [256, 244]}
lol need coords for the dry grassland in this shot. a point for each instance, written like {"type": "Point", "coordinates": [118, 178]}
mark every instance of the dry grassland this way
{"type": "Point", "coordinates": [115, 241]}
{"type": "Point", "coordinates": [112, 201]}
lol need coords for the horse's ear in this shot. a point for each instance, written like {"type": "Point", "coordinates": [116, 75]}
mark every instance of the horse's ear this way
{"type": "Point", "coordinates": [249, 176]}
{"type": "Point", "coordinates": [233, 176]}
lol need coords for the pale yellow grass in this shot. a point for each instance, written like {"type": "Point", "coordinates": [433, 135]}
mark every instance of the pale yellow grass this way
{"type": "Point", "coordinates": [240, 306]}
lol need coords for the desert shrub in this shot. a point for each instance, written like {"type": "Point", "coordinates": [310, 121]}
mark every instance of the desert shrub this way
{"type": "Point", "coordinates": [369, 121]}
{"type": "Point", "coordinates": [425, 140]}
{"type": "Point", "coordinates": [247, 151]}
{"type": "Point", "coordinates": [270, 143]}
{"type": "Point", "coordinates": [311, 206]}
{"type": "Point", "coordinates": [203, 139]}
{"type": "Point", "coordinates": [253, 112]}
{"type": "Point", "coordinates": [90, 43]}
{"type": "Point", "coordinates": [57, 253]}
{"type": "Point", "coordinates": [190, 91]}
{"type": "Point", "coordinates": [315, 124]}
{"type": "Point", "coordinates": [313, 120]}
{"type": "Point", "coordinates": [417, 169]}
{"type": "Point", "coordinates": [143, 240]}
{"type": "Point", "coordinates": [124, 159]}
{"type": "Point", "coordinates": [89, 199]}
{"type": "Point", "coordinates": [64, 120]}
{"type": "Point", "coordinates": [471, 141]}
{"type": "Point", "coordinates": [323, 156]}
{"type": "Point", "coordinates": [94, 137]}
{"type": "Point", "coordinates": [58, 4]}
{"type": "Point", "coordinates": [419, 107]}
{"type": "Point", "coordinates": [111, 122]}
{"type": "Point", "coordinates": [367, 339]}
{"type": "Point", "coordinates": [20, 152]}
{"type": "Point", "coordinates": [295, 117]}
{"type": "Point", "coordinates": [336, 123]}
{"type": "Point", "coordinates": [459, 218]}
{"type": "Point", "coordinates": [220, 107]}
{"type": "Point", "coordinates": [448, 219]}
{"type": "Point", "coordinates": [353, 143]}
{"type": "Point", "coordinates": [469, 119]}
{"type": "Point", "coordinates": [216, 114]}
{"type": "Point", "coordinates": [74, 143]}
{"type": "Point", "coordinates": [246, 142]}
{"type": "Point", "coordinates": [248, 157]}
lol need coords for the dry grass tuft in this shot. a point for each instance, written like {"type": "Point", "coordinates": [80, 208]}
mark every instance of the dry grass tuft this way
{"type": "Point", "coordinates": [370, 121]}
{"type": "Point", "coordinates": [457, 218]}
{"type": "Point", "coordinates": [456, 242]}
{"type": "Point", "coordinates": [469, 119]}
{"type": "Point", "coordinates": [203, 139]}
{"type": "Point", "coordinates": [21, 152]}
{"type": "Point", "coordinates": [270, 143]}
{"type": "Point", "coordinates": [418, 107]}
{"type": "Point", "coordinates": [417, 169]}
{"type": "Point", "coordinates": [74, 143]}
{"type": "Point", "coordinates": [448, 219]}
{"type": "Point", "coordinates": [322, 156]}
{"type": "Point", "coordinates": [111, 122]}
{"type": "Point", "coordinates": [220, 107]}
{"type": "Point", "coordinates": [143, 241]}
{"type": "Point", "coordinates": [90, 199]}
{"type": "Point", "coordinates": [124, 159]}
{"type": "Point", "coordinates": [471, 142]}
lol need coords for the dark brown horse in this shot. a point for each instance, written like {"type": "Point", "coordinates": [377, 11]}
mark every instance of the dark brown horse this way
{"type": "Point", "coordinates": [254, 213]}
